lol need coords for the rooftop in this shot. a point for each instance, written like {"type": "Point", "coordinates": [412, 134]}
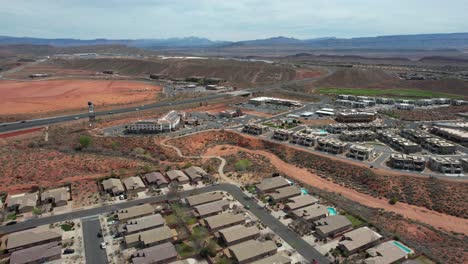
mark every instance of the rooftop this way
{"type": "Point", "coordinates": [358, 238]}
{"type": "Point", "coordinates": [58, 194]}
{"type": "Point", "coordinates": [195, 172]}
{"type": "Point", "coordinates": [113, 184]}
{"type": "Point", "coordinates": [224, 219]}
{"type": "Point", "coordinates": [135, 211]}
{"type": "Point", "coordinates": [204, 198]}
{"type": "Point", "coordinates": [133, 183]}
{"type": "Point", "coordinates": [31, 236]}
{"type": "Point", "coordinates": [285, 192]}
{"type": "Point", "coordinates": [272, 183]}
{"type": "Point", "coordinates": [235, 233]}
{"type": "Point", "coordinates": [156, 177]}
{"type": "Point", "coordinates": [385, 253]}
{"type": "Point", "coordinates": [332, 223]}
{"type": "Point", "coordinates": [252, 248]}
{"type": "Point", "coordinates": [210, 208]}
{"type": "Point", "coordinates": [145, 222]}
{"type": "Point", "coordinates": [150, 236]}
{"type": "Point", "coordinates": [311, 211]}
{"type": "Point", "coordinates": [177, 175]}
{"type": "Point", "coordinates": [36, 254]}
{"type": "Point", "coordinates": [301, 201]}
{"type": "Point", "coordinates": [154, 254]}
{"type": "Point", "coordinates": [22, 200]}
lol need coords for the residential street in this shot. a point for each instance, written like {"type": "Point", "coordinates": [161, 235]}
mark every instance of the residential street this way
{"type": "Point", "coordinates": [93, 252]}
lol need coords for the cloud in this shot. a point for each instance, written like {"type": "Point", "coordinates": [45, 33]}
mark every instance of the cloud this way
{"type": "Point", "coordinates": [229, 20]}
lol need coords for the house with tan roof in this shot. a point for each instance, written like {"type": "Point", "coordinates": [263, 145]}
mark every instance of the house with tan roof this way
{"type": "Point", "coordinates": [301, 201]}
{"type": "Point", "coordinates": [252, 250]}
{"type": "Point", "coordinates": [270, 184]}
{"type": "Point", "coordinates": [311, 213]}
{"type": "Point", "coordinates": [284, 193]}
{"type": "Point", "coordinates": [210, 209]}
{"type": "Point", "coordinates": [134, 184]}
{"type": "Point", "coordinates": [144, 223]}
{"type": "Point", "coordinates": [238, 234]}
{"type": "Point", "coordinates": [130, 213]}
{"type": "Point", "coordinates": [195, 173]}
{"type": "Point", "coordinates": [276, 259]}
{"type": "Point", "coordinates": [30, 238]}
{"type": "Point", "coordinates": [113, 186]}
{"type": "Point", "coordinates": [359, 239]}
{"type": "Point", "coordinates": [332, 225]}
{"type": "Point", "coordinates": [38, 254]}
{"type": "Point", "coordinates": [177, 176]}
{"type": "Point", "coordinates": [151, 237]}
{"type": "Point", "coordinates": [156, 178]}
{"type": "Point", "coordinates": [22, 203]}
{"type": "Point", "coordinates": [224, 220]}
{"type": "Point", "coordinates": [385, 253]}
{"type": "Point", "coordinates": [164, 253]}
{"type": "Point", "coordinates": [56, 197]}
{"type": "Point", "coordinates": [204, 198]}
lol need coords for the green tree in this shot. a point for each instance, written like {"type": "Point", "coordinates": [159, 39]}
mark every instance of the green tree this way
{"type": "Point", "coordinates": [243, 165]}
{"type": "Point", "coordinates": [85, 141]}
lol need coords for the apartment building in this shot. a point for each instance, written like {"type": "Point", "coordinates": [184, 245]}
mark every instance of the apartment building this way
{"type": "Point", "coordinates": [407, 162]}
{"type": "Point", "coordinates": [331, 145]}
{"type": "Point", "coordinates": [398, 143]}
{"type": "Point", "coordinates": [302, 139]}
{"type": "Point", "coordinates": [439, 146]}
{"type": "Point", "coordinates": [360, 152]}
{"type": "Point", "coordinates": [404, 106]}
{"type": "Point", "coordinates": [354, 116]}
{"type": "Point", "coordinates": [254, 129]}
{"type": "Point", "coordinates": [452, 134]}
{"type": "Point", "coordinates": [464, 163]}
{"type": "Point", "coordinates": [445, 165]}
{"type": "Point", "coordinates": [360, 135]}
{"type": "Point", "coordinates": [281, 134]}
{"type": "Point", "coordinates": [336, 128]}
{"type": "Point", "coordinates": [415, 135]}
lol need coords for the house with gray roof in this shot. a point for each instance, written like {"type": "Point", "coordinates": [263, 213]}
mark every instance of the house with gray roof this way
{"type": "Point", "coordinates": [224, 220]}
{"type": "Point", "coordinates": [284, 193]}
{"type": "Point", "coordinates": [144, 223]}
{"type": "Point", "coordinates": [210, 209]}
{"type": "Point", "coordinates": [195, 173]}
{"type": "Point", "coordinates": [252, 250]}
{"type": "Point", "coordinates": [38, 254]}
{"type": "Point", "coordinates": [359, 239]}
{"type": "Point", "coordinates": [276, 259]}
{"type": "Point", "coordinates": [238, 233]}
{"type": "Point", "coordinates": [270, 184]}
{"type": "Point", "coordinates": [134, 184]}
{"type": "Point", "coordinates": [332, 225]}
{"type": "Point", "coordinates": [177, 176]}
{"type": "Point", "coordinates": [30, 238]}
{"type": "Point", "coordinates": [299, 202]}
{"type": "Point", "coordinates": [204, 198]}
{"type": "Point", "coordinates": [151, 237]}
{"type": "Point", "coordinates": [113, 186]}
{"type": "Point", "coordinates": [134, 212]}
{"type": "Point", "coordinates": [311, 213]}
{"type": "Point", "coordinates": [164, 253]}
{"type": "Point", "coordinates": [22, 203]}
{"type": "Point", "coordinates": [56, 197]}
{"type": "Point", "coordinates": [385, 253]}
{"type": "Point", "coordinates": [156, 178]}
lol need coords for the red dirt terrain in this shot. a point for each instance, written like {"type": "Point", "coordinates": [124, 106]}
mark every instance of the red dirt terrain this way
{"type": "Point", "coordinates": [31, 97]}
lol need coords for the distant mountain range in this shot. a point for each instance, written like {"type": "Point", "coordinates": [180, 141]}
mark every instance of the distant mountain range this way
{"type": "Point", "coordinates": [422, 41]}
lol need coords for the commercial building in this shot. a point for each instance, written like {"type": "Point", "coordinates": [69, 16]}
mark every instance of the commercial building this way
{"type": "Point", "coordinates": [195, 173]}
{"type": "Point", "coordinates": [164, 253]}
{"type": "Point", "coordinates": [252, 250]}
{"type": "Point", "coordinates": [113, 186]}
{"type": "Point", "coordinates": [298, 202]}
{"type": "Point", "coordinates": [130, 213]}
{"type": "Point", "coordinates": [274, 101]}
{"type": "Point", "coordinates": [238, 234]}
{"type": "Point", "coordinates": [360, 152]}
{"type": "Point", "coordinates": [354, 116]}
{"type": "Point", "coordinates": [156, 178]}
{"type": "Point", "coordinates": [254, 129]}
{"type": "Point", "coordinates": [311, 213]}
{"type": "Point", "coordinates": [455, 135]}
{"type": "Point", "coordinates": [134, 184]}
{"type": "Point", "coordinates": [144, 223]}
{"type": "Point", "coordinates": [168, 122]}
{"type": "Point", "coordinates": [360, 135]}
{"type": "Point", "coordinates": [210, 209]}
{"type": "Point", "coordinates": [333, 146]}
{"type": "Point", "coordinates": [332, 225]}
{"type": "Point", "coordinates": [38, 254]}
{"type": "Point", "coordinates": [385, 253]}
{"type": "Point", "coordinates": [336, 128]}
{"type": "Point", "coordinates": [177, 176]}
{"type": "Point", "coordinates": [281, 134]}
{"type": "Point", "coordinates": [270, 184]}
{"type": "Point", "coordinates": [359, 239]}
{"type": "Point", "coordinates": [282, 194]}
{"type": "Point", "coordinates": [56, 197]}
{"type": "Point", "coordinates": [439, 146]}
{"type": "Point", "coordinates": [21, 203]}
{"type": "Point", "coordinates": [398, 143]}
{"type": "Point", "coordinates": [151, 237]}
{"type": "Point", "coordinates": [445, 165]}
{"type": "Point", "coordinates": [224, 220]}
{"type": "Point", "coordinates": [30, 238]}
{"type": "Point", "coordinates": [204, 198]}
{"type": "Point", "coordinates": [407, 162]}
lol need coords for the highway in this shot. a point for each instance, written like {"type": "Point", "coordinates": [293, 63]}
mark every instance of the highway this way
{"type": "Point", "coordinates": [305, 249]}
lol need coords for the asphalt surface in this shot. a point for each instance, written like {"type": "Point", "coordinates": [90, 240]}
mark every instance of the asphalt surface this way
{"type": "Point", "coordinates": [93, 252]}
{"type": "Point", "coordinates": [90, 231]}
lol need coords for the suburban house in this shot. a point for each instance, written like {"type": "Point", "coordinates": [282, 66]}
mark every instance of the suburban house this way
{"type": "Point", "coordinates": [252, 250]}
{"type": "Point", "coordinates": [113, 186]}
{"type": "Point", "coordinates": [239, 233]}
{"type": "Point", "coordinates": [385, 253]}
{"type": "Point", "coordinates": [30, 238]}
{"type": "Point", "coordinates": [276, 259]}
{"type": "Point", "coordinates": [164, 253]}
{"type": "Point", "coordinates": [204, 198]}
{"type": "Point", "coordinates": [134, 212]}
{"type": "Point", "coordinates": [332, 225]}
{"type": "Point", "coordinates": [209, 209]}
{"type": "Point", "coordinates": [177, 176]}
{"type": "Point", "coordinates": [144, 223]}
{"type": "Point", "coordinates": [195, 173]}
{"type": "Point", "coordinates": [282, 194]}
{"type": "Point", "coordinates": [359, 239]}
{"type": "Point", "coordinates": [56, 197]}
{"type": "Point", "coordinates": [224, 220]}
{"type": "Point", "coordinates": [151, 237]}
{"type": "Point", "coordinates": [270, 184]}
{"type": "Point", "coordinates": [38, 254]}
{"type": "Point", "coordinates": [22, 203]}
{"type": "Point", "coordinates": [156, 178]}
{"type": "Point", "coordinates": [311, 213]}
{"type": "Point", "coordinates": [134, 184]}
{"type": "Point", "coordinates": [299, 202]}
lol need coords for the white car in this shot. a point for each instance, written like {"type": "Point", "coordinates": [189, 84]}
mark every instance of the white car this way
{"type": "Point", "coordinates": [103, 245]}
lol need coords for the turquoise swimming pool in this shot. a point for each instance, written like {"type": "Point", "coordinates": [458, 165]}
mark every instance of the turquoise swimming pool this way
{"type": "Point", "coordinates": [403, 247]}
{"type": "Point", "coordinates": [332, 211]}
{"type": "Point", "coordinates": [304, 191]}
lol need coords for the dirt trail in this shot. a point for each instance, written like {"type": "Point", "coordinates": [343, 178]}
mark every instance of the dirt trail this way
{"type": "Point", "coordinates": [438, 220]}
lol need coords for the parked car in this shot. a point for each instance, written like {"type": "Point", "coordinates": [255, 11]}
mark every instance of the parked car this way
{"type": "Point", "coordinates": [68, 251]}
{"type": "Point", "coordinates": [103, 245]}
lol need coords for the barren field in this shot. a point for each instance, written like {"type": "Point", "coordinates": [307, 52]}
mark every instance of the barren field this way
{"type": "Point", "coordinates": [32, 97]}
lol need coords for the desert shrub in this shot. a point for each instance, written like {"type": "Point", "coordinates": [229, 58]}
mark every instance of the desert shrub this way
{"type": "Point", "coordinates": [393, 200]}
{"type": "Point", "coordinates": [85, 141]}
{"type": "Point", "coordinates": [243, 165]}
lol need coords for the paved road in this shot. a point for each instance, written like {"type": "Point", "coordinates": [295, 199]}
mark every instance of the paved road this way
{"type": "Point", "coordinates": [93, 252]}
{"type": "Point", "coordinates": [305, 249]}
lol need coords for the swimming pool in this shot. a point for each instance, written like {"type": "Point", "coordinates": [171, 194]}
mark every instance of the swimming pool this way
{"type": "Point", "coordinates": [304, 191]}
{"type": "Point", "coordinates": [403, 247]}
{"type": "Point", "coordinates": [332, 211]}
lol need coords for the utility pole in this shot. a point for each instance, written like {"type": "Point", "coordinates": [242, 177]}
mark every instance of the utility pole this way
{"type": "Point", "coordinates": [46, 134]}
{"type": "Point", "coordinates": [92, 116]}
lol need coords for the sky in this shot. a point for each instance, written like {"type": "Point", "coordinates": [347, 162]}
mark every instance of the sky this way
{"type": "Point", "coordinates": [230, 20]}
